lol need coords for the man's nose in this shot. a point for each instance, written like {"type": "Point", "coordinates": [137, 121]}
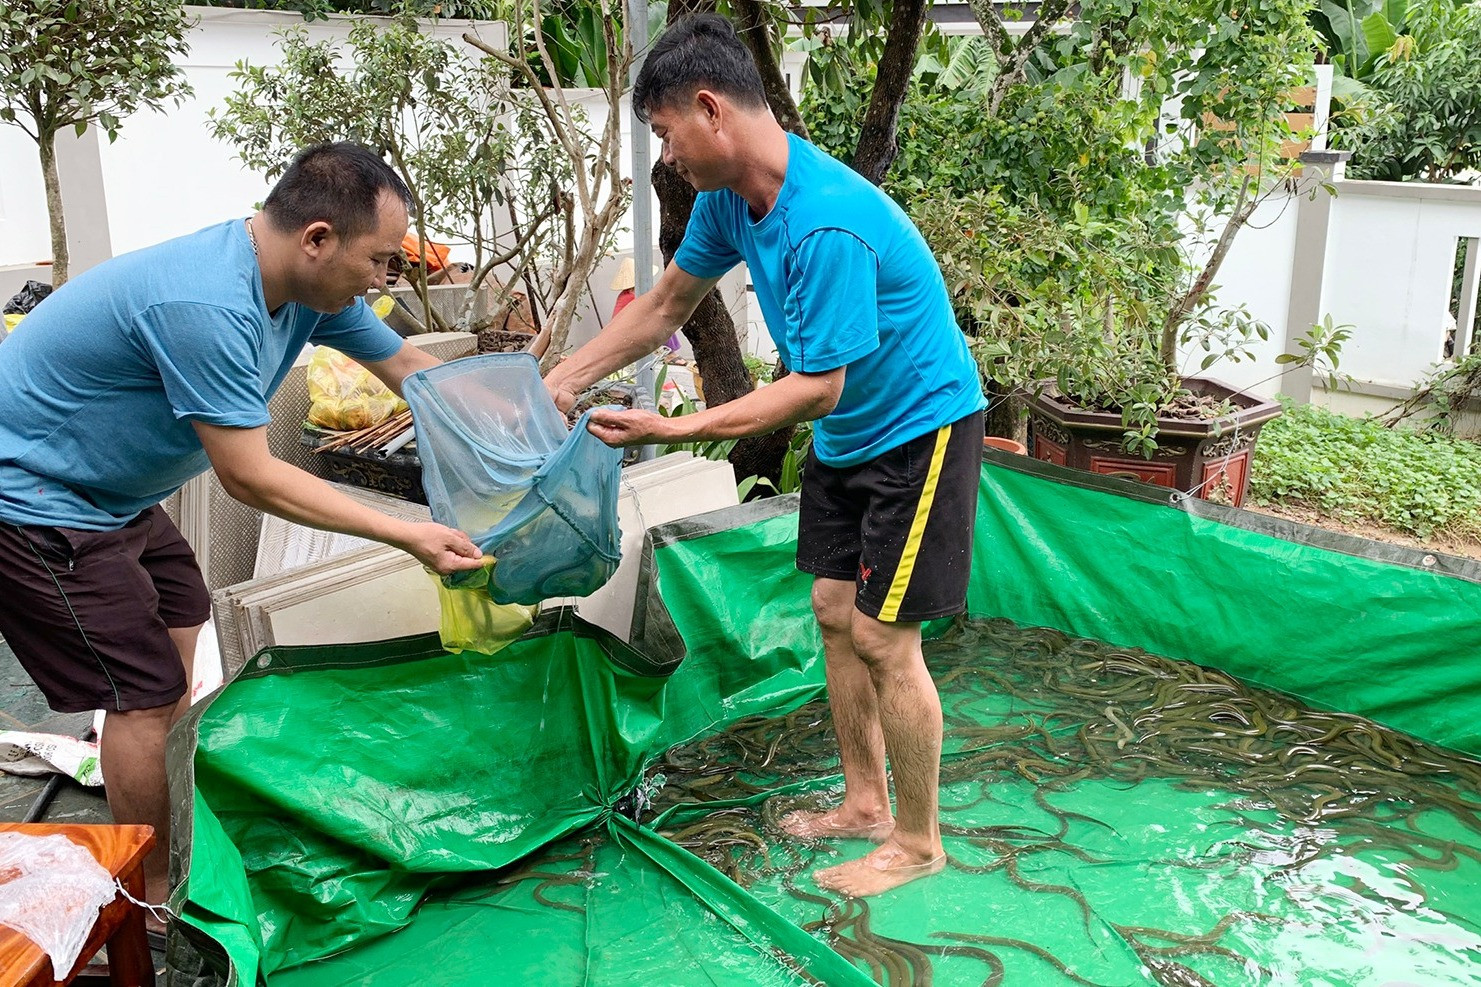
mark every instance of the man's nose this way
{"type": "Point", "coordinates": [668, 156]}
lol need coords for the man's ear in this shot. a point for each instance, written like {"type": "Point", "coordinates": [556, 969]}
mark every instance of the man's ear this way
{"type": "Point", "coordinates": [708, 103]}
{"type": "Point", "coordinates": [316, 238]}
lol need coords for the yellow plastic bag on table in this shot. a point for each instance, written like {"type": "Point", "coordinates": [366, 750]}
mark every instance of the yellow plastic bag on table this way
{"type": "Point", "coordinates": [472, 622]}
{"type": "Point", "coordinates": [344, 395]}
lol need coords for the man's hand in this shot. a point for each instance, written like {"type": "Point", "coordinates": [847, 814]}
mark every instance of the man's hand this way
{"type": "Point", "coordinates": [630, 428]}
{"type": "Point", "coordinates": [442, 549]}
{"type": "Point", "coordinates": [564, 397]}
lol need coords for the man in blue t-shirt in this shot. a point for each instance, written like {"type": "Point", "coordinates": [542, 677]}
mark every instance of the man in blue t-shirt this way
{"type": "Point", "coordinates": [859, 313]}
{"type": "Point", "coordinates": [140, 374]}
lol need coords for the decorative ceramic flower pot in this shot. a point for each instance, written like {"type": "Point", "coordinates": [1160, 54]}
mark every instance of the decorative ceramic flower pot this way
{"type": "Point", "coordinates": [1208, 458]}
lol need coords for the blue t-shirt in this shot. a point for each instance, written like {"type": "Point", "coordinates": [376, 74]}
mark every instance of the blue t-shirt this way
{"type": "Point", "coordinates": [99, 385]}
{"type": "Point", "coordinates": [844, 279]}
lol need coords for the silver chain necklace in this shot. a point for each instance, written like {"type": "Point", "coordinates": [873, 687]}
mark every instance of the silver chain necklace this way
{"type": "Point", "coordinates": [251, 236]}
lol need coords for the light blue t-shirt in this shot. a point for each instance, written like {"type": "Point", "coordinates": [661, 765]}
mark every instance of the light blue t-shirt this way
{"type": "Point", "coordinates": [100, 383]}
{"type": "Point", "coordinates": [844, 279]}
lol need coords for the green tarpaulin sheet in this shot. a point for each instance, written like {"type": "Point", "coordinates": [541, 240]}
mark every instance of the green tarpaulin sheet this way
{"type": "Point", "coordinates": [567, 811]}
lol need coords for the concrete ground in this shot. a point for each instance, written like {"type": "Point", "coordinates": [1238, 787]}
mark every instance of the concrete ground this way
{"type": "Point", "coordinates": [22, 707]}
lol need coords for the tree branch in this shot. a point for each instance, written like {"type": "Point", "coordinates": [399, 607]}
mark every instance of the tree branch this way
{"type": "Point", "coordinates": [1011, 68]}
{"type": "Point", "coordinates": [1244, 207]}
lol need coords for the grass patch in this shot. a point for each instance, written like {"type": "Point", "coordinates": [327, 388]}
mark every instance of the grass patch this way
{"type": "Point", "coordinates": [1355, 469]}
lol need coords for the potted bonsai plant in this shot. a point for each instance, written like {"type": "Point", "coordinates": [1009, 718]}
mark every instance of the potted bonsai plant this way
{"type": "Point", "coordinates": [1085, 268]}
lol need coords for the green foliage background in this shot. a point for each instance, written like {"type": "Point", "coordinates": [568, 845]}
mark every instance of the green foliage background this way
{"type": "Point", "coordinates": [1357, 469]}
{"type": "Point", "coordinates": [317, 9]}
{"type": "Point", "coordinates": [1069, 211]}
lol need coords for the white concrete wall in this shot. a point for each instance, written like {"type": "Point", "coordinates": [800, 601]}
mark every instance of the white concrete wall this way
{"type": "Point", "coordinates": [1390, 263]}
{"type": "Point", "coordinates": [25, 235]}
{"type": "Point", "coordinates": [1256, 273]}
{"type": "Point", "coordinates": [166, 176]}
{"type": "Point", "coordinates": [189, 179]}
{"type": "Point", "coordinates": [1387, 272]}
{"type": "Point", "coordinates": [25, 226]}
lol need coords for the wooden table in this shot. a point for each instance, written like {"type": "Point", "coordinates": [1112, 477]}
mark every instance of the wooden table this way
{"type": "Point", "coordinates": [120, 850]}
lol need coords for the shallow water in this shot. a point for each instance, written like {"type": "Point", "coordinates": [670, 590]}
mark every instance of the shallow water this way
{"type": "Point", "coordinates": [1112, 817]}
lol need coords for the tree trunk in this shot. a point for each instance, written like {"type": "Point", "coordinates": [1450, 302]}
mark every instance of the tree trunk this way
{"type": "Point", "coordinates": [1244, 207]}
{"type": "Point", "coordinates": [710, 330]}
{"type": "Point", "coordinates": [876, 149]}
{"type": "Point", "coordinates": [712, 335]}
{"type": "Point", "coordinates": [751, 24]}
{"type": "Point", "coordinates": [59, 259]}
{"type": "Point", "coordinates": [1005, 416]}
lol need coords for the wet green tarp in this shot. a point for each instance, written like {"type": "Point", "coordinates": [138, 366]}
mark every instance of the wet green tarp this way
{"type": "Point", "coordinates": [1384, 631]}
{"type": "Point", "coordinates": [361, 814]}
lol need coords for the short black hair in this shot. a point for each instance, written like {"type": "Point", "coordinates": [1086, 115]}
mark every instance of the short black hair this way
{"type": "Point", "coordinates": [699, 51]}
{"type": "Point", "coordinates": [338, 183]}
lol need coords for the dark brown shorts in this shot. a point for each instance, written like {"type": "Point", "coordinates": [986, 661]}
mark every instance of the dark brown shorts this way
{"type": "Point", "coordinates": [88, 613]}
{"type": "Point", "coordinates": [899, 525]}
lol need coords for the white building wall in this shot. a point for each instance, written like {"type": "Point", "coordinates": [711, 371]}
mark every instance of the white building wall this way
{"type": "Point", "coordinates": [188, 178]}
{"type": "Point", "coordinates": [166, 175]}
{"type": "Point", "coordinates": [25, 236]}
{"type": "Point", "coordinates": [1257, 274]}
{"type": "Point", "coordinates": [1388, 269]}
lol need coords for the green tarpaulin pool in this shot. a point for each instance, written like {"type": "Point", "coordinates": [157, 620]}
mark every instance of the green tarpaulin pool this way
{"type": "Point", "coordinates": [577, 810]}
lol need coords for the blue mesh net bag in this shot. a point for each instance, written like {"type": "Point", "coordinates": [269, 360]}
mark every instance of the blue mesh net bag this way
{"type": "Point", "coordinates": [499, 462]}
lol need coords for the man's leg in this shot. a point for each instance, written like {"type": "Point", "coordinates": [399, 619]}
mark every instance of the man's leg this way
{"type": "Point", "coordinates": [910, 718]}
{"type": "Point", "coordinates": [913, 566]}
{"type": "Point", "coordinates": [185, 639]}
{"type": "Point", "coordinates": [132, 752]}
{"type": "Point", "coordinates": [183, 608]}
{"type": "Point", "coordinates": [865, 811]}
{"type": "Point", "coordinates": [90, 614]}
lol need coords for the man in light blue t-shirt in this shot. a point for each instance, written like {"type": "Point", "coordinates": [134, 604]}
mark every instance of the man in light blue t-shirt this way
{"type": "Point", "coordinates": [140, 374]}
{"type": "Point", "coordinates": [860, 316]}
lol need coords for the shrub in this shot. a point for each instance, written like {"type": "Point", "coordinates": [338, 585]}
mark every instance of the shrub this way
{"type": "Point", "coordinates": [1356, 469]}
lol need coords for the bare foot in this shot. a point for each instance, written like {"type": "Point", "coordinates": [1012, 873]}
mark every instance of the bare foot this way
{"type": "Point", "coordinates": [890, 866]}
{"type": "Point", "coordinates": [835, 824]}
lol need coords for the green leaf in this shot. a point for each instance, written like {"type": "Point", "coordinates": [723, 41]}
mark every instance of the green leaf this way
{"type": "Point", "coordinates": [1396, 12]}
{"type": "Point", "coordinates": [1346, 27]}
{"type": "Point", "coordinates": [1378, 33]}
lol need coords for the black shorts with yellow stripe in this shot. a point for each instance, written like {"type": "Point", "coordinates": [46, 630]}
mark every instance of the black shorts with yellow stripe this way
{"type": "Point", "coordinates": [899, 525]}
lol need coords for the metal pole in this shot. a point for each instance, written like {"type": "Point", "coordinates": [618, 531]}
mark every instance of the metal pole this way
{"type": "Point", "coordinates": [637, 36]}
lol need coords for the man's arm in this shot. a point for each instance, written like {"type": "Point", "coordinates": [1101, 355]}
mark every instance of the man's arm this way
{"type": "Point", "coordinates": [796, 397]}
{"type": "Point", "coordinates": [395, 368]}
{"type": "Point", "coordinates": [252, 475]}
{"type": "Point", "coordinates": [633, 333]}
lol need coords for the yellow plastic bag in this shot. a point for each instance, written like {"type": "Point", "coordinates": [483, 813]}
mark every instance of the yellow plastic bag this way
{"type": "Point", "coordinates": [344, 395]}
{"type": "Point", "coordinates": [473, 622]}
